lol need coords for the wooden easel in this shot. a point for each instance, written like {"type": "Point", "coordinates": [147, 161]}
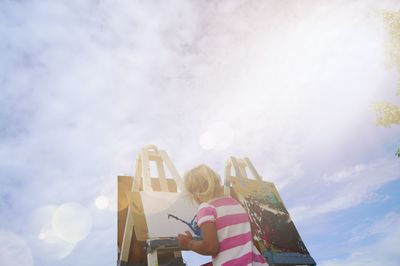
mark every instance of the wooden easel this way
{"type": "Point", "coordinates": [241, 180]}
{"type": "Point", "coordinates": [142, 181]}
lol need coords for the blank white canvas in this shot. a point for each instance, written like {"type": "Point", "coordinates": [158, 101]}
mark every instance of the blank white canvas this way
{"type": "Point", "coordinates": [157, 206]}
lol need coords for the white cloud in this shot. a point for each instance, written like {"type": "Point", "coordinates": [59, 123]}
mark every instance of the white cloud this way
{"type": "Point", "coordinates": [347, 188]}
{"type": "Point", "coordinates": [382, 252]}
{"type": "Point", "coordinates": [379, 228]}
{"type": "Point", "coordinates": [84, 85]}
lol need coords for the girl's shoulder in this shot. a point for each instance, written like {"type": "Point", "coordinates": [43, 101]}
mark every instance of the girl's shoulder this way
{"type": "Point", "coordinates": [204, 205]}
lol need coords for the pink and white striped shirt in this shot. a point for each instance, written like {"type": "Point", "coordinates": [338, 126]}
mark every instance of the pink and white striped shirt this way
{"type": "Point", "coordinates": [233, 230]}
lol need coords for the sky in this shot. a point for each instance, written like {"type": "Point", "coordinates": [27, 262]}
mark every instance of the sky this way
{"type": "Point", "coordinates": [84, 85]}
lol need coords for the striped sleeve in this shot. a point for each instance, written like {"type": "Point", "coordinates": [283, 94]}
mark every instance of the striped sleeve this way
{"type": "Point", "coordinates": [206, 213]}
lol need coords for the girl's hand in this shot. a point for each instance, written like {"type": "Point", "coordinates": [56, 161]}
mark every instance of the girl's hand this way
{"type": "Point", "coordinates": [185, 240]}
{"type": "Point", "coordinates": [208, 245]}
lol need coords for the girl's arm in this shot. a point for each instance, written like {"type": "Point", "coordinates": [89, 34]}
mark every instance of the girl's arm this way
{"type": "Point", "coordinates": [207, 246]}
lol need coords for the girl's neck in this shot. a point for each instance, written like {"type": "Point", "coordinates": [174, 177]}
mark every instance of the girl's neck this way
{"type": "Point", "coordinates": [219, 194]}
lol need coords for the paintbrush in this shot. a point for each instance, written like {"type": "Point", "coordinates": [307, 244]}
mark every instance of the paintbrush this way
{"type": "Point", "coordinates": [192, 225]}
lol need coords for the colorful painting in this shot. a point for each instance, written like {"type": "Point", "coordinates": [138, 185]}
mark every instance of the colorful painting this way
{"type": "Point", "coordinates": [273, 229]}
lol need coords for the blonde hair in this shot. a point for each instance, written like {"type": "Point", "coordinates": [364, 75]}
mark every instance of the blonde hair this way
{"type": "Point", "coordinates": [202, 182]}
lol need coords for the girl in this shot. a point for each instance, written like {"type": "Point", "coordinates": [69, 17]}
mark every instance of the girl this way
{"type": "Point", "coordinates": [225, 224]}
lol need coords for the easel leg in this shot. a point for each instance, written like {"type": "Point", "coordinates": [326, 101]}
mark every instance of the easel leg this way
{"type": "Point", "coordinates": [152, 259]}
{"type": "Point", "coordinates": [126, 242]}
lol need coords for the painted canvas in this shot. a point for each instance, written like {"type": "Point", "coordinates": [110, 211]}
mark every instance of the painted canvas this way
{"type": "Point", "coordinates": [273, 229]}
{"type": "Point", "coordinates": [161, 214]}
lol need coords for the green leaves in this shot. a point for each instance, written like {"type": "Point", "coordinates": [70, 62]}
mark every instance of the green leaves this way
{"type": "Point", "coordinates": [387, 114]}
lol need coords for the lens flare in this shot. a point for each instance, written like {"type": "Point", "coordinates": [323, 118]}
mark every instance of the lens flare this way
{"type": "Point", "coordinates": [217, 136]}
{"type": "Point", "coordinates": [43, 239]}
{"type": "Point", "coordinates": [71, 222]}
{"type": "Point", "coordinates": [42, 236]}
{"type": "Point", "coordinates": [102, 202]}
{"type": "Point", "coordinates": [208, 140]}
{"type": "Point", "coordinates": [14, 250]}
